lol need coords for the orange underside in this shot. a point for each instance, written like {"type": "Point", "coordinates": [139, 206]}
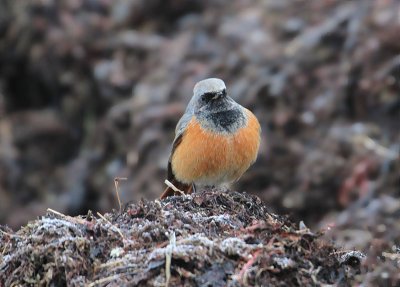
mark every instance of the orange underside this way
{"type": "Point", "coordinates": [210, 158]}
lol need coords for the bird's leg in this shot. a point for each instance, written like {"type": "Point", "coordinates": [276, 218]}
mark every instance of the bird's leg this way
{"type": "Point", "coordinates": [193, 187]}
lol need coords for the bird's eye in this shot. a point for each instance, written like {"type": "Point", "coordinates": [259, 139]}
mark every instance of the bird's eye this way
{"type": "Point", "coordinates": [211, 96]}
{"type": "Point", "coordinates": [208, 96]}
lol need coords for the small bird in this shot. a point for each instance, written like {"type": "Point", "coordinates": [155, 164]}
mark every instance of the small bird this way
{"type": "Point", "coordinates": [216, 140]}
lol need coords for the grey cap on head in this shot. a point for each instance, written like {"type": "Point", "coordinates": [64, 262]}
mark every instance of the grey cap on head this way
{"type": "Point", "coordinates": [210, 85]}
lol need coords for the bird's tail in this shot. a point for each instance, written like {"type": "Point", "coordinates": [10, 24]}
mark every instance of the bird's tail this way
{"type": "Point", "coordinates": [169, 191]}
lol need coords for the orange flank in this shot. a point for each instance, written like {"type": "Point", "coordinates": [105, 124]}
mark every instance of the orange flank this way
{"type": "Point", "coordinates": [209, 158]}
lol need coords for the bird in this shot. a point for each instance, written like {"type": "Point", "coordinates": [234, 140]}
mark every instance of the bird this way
{"type": "Point", "coordinates": [216, 141]}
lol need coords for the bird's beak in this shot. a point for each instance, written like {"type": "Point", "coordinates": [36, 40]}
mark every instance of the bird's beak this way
{"type": "Point", "coordinates": [219, 95]}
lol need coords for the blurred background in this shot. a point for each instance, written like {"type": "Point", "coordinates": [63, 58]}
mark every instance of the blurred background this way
{"type": "Point", "coordinates": [91, 90]}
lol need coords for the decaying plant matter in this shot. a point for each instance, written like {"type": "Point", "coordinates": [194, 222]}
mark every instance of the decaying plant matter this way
{"type": "Point", "coordinates": [210, 238]}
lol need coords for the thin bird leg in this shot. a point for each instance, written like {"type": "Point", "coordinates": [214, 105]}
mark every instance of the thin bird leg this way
{"type": "Point", "coordinates": [193, 187]}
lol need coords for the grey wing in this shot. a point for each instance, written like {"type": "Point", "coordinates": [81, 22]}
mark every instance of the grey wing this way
{"type": "Point", "coordinates": [185, 119]}
{"type": "Point", "coordinates": [183, 122]}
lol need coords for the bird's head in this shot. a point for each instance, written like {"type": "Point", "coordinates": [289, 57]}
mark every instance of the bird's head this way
{"type": "Point", "coordinates": [209, 94]}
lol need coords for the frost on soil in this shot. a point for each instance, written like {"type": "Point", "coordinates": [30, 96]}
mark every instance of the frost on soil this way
{"type": "Point", "coordinates": [211, 238]}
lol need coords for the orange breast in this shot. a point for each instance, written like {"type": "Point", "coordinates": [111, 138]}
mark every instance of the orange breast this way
{"type": "Point", "coordinates": [208, 158]}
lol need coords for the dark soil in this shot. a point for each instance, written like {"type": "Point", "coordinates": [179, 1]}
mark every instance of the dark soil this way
{"type": "Point", "coordinates": [211, 238]}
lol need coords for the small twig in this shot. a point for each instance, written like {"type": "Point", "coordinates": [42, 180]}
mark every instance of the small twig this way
{"type": "Point", "coordinates": [116, 182]}
{"type": "Point", "coordinates": [116, 228]}
{"type": "Point", "coordinates": [314, 273]}
{"type": "Point", "coordinates": [67, 217]}
{"type": "Point", "coordinates": [4, 249]}
{"type": "Point", "coordinates": [174, 188]}
{"type": "Point", "coordinates": [340, 252]}
{"type": "Point", "coordinates": [168, 258]}
{"type": "Point", "coordinates": [11, 235]}
{"type": "Point", "coordinates": [58, 213]}
{"type": "Point", "coordinates": [109, 264]}
{"type": "Point", "coordinates": [371, 144]}
{"type": "Point", "coordinates": [105, 280]}
{"type": "Point", "coordinates": [243, 272]}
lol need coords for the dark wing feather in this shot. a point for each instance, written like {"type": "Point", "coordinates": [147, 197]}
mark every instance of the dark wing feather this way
{"type": "Point", "coordinates": [176, 143]}
{"type": "Point", "coordinates": [186, 188]}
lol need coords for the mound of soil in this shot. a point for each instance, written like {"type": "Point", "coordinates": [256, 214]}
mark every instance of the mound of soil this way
{"type": "Point", "coordinates": [211, 238]}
